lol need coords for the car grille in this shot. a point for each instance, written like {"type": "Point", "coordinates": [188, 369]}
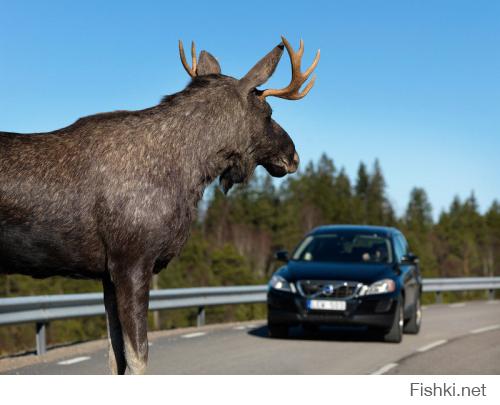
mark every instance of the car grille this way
{"type": "Point", "coordinates": [319, 288]}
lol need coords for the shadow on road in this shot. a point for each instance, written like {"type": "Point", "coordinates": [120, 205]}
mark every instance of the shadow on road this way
{"type": "Point", "coordinates": [324, 333]}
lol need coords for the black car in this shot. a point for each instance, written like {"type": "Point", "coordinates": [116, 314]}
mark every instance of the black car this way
{"type": "Point", "coordinates": [348, 275]}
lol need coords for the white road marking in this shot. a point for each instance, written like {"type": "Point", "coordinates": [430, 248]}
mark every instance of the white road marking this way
{"type": "Point", "coordinates": [193, 335]}
{"type": "Point", "coordinates": [424, 307]}
{"type": "Point", "coordinates": [485, 329]}
{"type": "Point", "coordinates": [458, 305]}
{"type": "Point", "coordinates": [490, 302]}
{"type": "Point", "coordinates": [432, 345]}
{"type": "Point", "coordinates": [73, 361]}
{"type": "Point", "coordinates": [150, 344]}
{"type": "Point", "coordinates": [385, 369]}
{"type": "Point", "coordinates": [243, 327]}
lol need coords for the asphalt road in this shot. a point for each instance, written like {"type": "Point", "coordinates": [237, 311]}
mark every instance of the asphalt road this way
{"type": "Point", "coordinates": [455, 339]}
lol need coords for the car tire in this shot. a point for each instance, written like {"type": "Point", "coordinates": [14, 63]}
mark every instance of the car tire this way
{"type": "Point", "coordinates": [413, 325]}
{"type": "Point", "coordinates": [395, 333]}
{"type": "Point", "coordinates": [277, 330]}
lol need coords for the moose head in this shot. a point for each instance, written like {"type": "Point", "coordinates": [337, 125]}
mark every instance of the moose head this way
{"type": "Point", "coordinates": [262, 141]}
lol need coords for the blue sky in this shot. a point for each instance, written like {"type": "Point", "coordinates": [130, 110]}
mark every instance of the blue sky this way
{"type": "Point", "coordinates": [413, 83]}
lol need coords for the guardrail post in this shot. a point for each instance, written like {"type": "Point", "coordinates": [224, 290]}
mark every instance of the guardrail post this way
{"type": "Point", "coordinates": [491, 294]}
{"type": "Point", "coordinates": [41, 338]}
{"type": "Point", "coordinates": [200, 319]}
{"type": "Point", "coordinates": [439, 297]}
{"type": "Point", "coordinates": [156, 314]}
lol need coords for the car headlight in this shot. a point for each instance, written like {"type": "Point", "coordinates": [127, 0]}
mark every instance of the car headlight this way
{"type": "Point", "coordinates": [279, 283]}
{"type": "Point", "coordinates": [380, 287]}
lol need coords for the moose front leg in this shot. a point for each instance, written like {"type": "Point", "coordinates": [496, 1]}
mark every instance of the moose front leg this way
{"type": "Point", "coordinates": [116, 349]}
{"type": "Point", "coordinates": [132, 298]}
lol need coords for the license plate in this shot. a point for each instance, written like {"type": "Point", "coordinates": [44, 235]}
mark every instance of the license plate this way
{"type": "Point", "coordinates": [326, 305]}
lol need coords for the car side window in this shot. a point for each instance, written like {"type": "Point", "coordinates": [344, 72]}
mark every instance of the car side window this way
{"type": "Point", "coordinates": [399, 249]}
{"type": "Point", "coordinates": [404, 243]}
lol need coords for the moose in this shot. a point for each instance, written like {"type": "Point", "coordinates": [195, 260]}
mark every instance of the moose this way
{"type": "Point", "coordinates": [112, 196]}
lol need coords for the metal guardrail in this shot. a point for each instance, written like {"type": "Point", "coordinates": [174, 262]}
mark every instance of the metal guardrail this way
{"type": "Point", "coordinates": [440, 285]}
{"type": "Point", "coordinates": [46, 308]}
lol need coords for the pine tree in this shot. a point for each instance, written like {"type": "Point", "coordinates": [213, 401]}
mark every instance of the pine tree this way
{"type": "Point", "coordinates": [343, 200]}
{"type": "Point", "coordinates": [417, 226]}
{"type": "Point", "coordinates": [418, 216]}
{"type": "Point", "coordinates": [379, 210]}
{"type": "Point", "coordinates": [361, 195]}
{"type": "Point", "coordinates": [362, 181]}
{"type": "Point", "coordinates": [492, 245]}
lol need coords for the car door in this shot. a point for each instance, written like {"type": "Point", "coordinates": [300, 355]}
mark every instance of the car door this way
{"type": "Point", "coordinates": [408, 273]}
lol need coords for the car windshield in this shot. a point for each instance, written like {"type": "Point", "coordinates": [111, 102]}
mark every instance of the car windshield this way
{"type": "Point", "coordinates": [345, 247]}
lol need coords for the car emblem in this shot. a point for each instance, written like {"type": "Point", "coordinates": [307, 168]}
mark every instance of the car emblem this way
{"type": "Point", "coordinates": [328, 289]}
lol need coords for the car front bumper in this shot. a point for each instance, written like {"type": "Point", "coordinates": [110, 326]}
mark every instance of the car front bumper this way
{"type": "Point", "coordinates": [374, 311]}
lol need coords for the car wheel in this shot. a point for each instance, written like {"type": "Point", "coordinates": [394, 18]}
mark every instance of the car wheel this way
{"type": "Point", "coordinates": [276, 330]}
{"type": "Point", "coordinates": [395, 333]}
{"type": "Point", "coordinates": [413, 324]}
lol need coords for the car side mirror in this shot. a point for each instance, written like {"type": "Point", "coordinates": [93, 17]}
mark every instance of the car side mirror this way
{"type": "Point", "coordinates": [282, 255]}
{"type": "Point", "coordinates": [409, 258]}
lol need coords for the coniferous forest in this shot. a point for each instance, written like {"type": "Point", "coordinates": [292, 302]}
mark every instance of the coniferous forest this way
{"type": "Point", "coordinates": [235, 237]}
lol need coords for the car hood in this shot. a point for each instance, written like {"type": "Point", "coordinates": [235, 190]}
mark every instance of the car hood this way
{"type": "Point", "coordinates": [364, 273]}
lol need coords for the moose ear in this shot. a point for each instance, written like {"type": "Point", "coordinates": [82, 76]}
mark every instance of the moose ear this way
{"type": "Point", "coordinates": [262, 70]}
{"type": "Point", "coordinates": [207, 65]}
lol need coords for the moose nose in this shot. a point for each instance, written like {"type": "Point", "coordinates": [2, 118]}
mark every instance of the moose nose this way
{"type": "Point", "coordinates": [295, 163]}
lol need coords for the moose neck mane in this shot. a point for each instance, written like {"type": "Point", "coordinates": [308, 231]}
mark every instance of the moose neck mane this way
{"type": "Point", "coordinates": [202, 125]}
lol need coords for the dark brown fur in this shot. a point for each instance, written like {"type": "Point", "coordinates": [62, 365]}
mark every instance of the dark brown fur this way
{"type": "Point", "coordinates": [113, 195]}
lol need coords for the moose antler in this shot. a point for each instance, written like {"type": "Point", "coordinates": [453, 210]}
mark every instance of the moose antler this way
{"type": "Point", "coordinates": [291, 92]}
{"type": "Point", "coordinates": [191, 70]}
